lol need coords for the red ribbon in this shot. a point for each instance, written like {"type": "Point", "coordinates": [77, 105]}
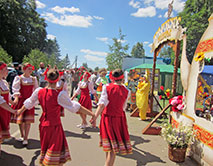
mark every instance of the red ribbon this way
{"type": "Point", "coordinates": [29, 65]}
{"type": "Point", "coordinates": [3, 66]}
{"type": "Point", "coordinates": [52, 81]}
{"type": "Point", "coordinates": [115, 78]}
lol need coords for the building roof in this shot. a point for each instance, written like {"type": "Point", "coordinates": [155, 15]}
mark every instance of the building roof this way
{"type": "Point", "coordinates": [163, 68]}
{"type": "Point", "coordinates": [131, 62]}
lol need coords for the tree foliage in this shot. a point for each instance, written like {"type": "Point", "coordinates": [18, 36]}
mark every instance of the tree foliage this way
{"type": "Point", "coordinates": [35, 57]}
{"type": "Point", "coordinates": [195, 17]}
{"type": "Point", "coordinates": [138, 50]}
{"type": "Point", "coordinates": [114, 58]}
{"type": "Point", "coordinates": [22, 28]}
{"type": "Point", "coordinates": [4, 57]}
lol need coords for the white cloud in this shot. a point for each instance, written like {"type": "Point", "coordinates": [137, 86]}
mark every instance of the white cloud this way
{"type": "Point", "coordinates": [160, 16]}
{"type": "Point", "coordinates": [93, 58]}
{"type": "Point", "coordinates": [145, 12]}
{"type": "Point", "coordinates": [39, 4]}
{"type": "Point", "coordinates": [69, 20]}
{"type": "Point", "coordinates": [87, 51]}
{"type": "Point", "coordinates": [178, 5]}
{"type": "Point", "coordinates": [52, 37]}
{"type": "Point", "coordinates": [103, 39]}
{"type": "Point", "coordinates": [146, 42]}
{"type": "Point", "coordinates": [150, 45]}
{"type": "Point", "coordinates": [98, 18]}
{"type": "Point", "coordinates": [147, 2]}
{"type": "Point", "coordinates": [62, 10]}
{"type": "Point", "coordinates": [134, 4]}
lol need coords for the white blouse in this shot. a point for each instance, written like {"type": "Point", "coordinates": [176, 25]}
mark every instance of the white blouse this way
{"type": "Point", "coordinates": [58, 85]}
{"type": "Point", "coordinates": [83, 84]}
{"type": "Point", "coordinates": [104, 97]}
{"type": "Point", "coordinates": [26, 80]}
{"type": "Point", "coordinates": [63, 100]}
{"type": "Point", "coordinates": [5, 87]}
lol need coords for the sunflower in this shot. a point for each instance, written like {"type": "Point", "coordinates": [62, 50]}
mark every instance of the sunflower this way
{"type": "Point", "coordinates": [199, 57]}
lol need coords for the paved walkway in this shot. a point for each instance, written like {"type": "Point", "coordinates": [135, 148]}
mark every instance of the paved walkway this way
{"type": "Point", "coordinates": [147, 149]}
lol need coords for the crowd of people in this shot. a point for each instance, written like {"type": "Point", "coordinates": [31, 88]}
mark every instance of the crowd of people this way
{"type": "Point", "coordinates": [48, 86]}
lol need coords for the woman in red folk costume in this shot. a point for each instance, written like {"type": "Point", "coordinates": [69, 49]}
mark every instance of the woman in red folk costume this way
{"type": "Point", "coordinates": [5, 109]}
{"type": "Point", "coordinates": [62, 85]}
{"type": "Point", "coordinates": [85, 87]}
{"type": "Point", "coordinates": [23, 87]}
{"type": "Point", "coordinates": [54, 147]}
{"type": "Point", "coordinates": [114, 135]}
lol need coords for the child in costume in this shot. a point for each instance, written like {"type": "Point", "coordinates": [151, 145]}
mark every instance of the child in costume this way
{"type": "Point", "coordinates": [54, 147]}
{"type": "Point", "coordinates": [23, 87]}
{"type": "Point", "coordinates": [102, 80]}
{"type": "Point", "coordinates": [5, 109]}
{"type": "Point", "coordinates": [85, 87]}
{"type": "Point", "coordinates": [114, 135]}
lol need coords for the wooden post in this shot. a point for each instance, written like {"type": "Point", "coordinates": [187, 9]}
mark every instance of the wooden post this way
{"type": "Point", "coordinates": [177, 53]}
{"type": "Point", "coordinates": [153, 81]}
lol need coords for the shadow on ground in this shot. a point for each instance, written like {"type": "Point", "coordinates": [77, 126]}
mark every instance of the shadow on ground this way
{"type": "Point", "coordinates": [72, 134]}
{"type": "Point", "coordinates": [32, 144]}
{"type": "Point", "coordinates": [141, 157]}
{"type": "Point", "coordinates": [34, 158]}
{"type": "Point", "coordinates": [10, 159]}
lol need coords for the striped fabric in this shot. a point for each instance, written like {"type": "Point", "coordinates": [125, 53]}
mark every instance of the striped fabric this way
{"type": "Point", "coordinates": [116, 147]}
{"type": "Point", "coordinates": [51, 158]}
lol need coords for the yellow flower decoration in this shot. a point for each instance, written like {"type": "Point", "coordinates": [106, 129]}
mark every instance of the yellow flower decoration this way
{"type": "Point", "coordinates": [168, 90]}
{"type": "Point", "coordinates": [199, 57]}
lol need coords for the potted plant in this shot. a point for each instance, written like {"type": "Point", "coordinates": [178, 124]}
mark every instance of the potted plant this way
{"type": "Point", "coordinates": [178, 139]}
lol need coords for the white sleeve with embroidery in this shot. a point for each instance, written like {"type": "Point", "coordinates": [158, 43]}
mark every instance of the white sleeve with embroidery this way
{"type": "Point", "coordinates": [104, 97]}
{"type": "Point", "coordinates": [78, 90]}
{"type": "Point", "coordinates": [32, 101]}
{"type": "Point", "coordinates": [65, 101]}
{"type": "Point", "coordinates": [16, 86]}
{"type": "Point", "coordinates": [91, 87]}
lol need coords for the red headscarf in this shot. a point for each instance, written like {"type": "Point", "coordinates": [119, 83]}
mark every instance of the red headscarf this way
{"type": "Point", "coordinates": [3, 66]}
{"type": "Point", "coordinates": [88, 74]}
{"type": "Point", "coordinates": [115, 78]}
{"type": "Point", "coordinates": [29, 65]}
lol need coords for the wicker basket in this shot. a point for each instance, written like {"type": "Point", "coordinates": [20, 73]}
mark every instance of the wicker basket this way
{"type": "Point", "coordinates": [177, 154]}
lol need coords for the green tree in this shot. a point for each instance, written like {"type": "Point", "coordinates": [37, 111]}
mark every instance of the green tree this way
{"type": "Point", "coordinates": [138, 50]}
{"type": "Point", "coordinates": [195, 17]}
{"type": "Point", "coordinates": [52, 48]}
{"type": "Point", "coordinates": [22, 28]}
{"type": "Point", "coordinates": [35, 57]}
{"type": "Point", "coordinates": [96, 68]}
{"type": "Point", "coordinates": [4, 57]}
{"type": "Point", "coordinates": [114, 58]}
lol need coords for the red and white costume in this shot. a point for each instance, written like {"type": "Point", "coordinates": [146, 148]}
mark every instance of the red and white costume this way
{"type": "Point", "coordinates": [85, 88]}
{"type": "Point", "coordinates": [114, 135]}
{"type": "Point", "coordinates": [62, 85]}
{"type": "Point", "coordinates": [54, 147]}
{"type": "Point", "coordinates": [4, 114]}
{"type": "Point", "coordinates": [23, 87]}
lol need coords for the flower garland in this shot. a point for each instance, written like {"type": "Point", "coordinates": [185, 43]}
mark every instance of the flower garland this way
{"type": "Point", "coordinates": [177, 103]}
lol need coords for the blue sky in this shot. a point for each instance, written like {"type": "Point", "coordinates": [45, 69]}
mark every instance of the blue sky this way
{"type": "Point", "coordinates": [85, 28]}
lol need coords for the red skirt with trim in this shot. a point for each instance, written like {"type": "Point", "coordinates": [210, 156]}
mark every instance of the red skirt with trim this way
{"type": "Point", "coordinates": [5, 124]}
{"type": "Point", "coordinates": [114, 135]}
{"type": "Point", "coordinates": [85, 101]}
{"type": "Point", "coordinates": [54, 147]}
{"type": "Point", "coordinates": [26, 117]}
